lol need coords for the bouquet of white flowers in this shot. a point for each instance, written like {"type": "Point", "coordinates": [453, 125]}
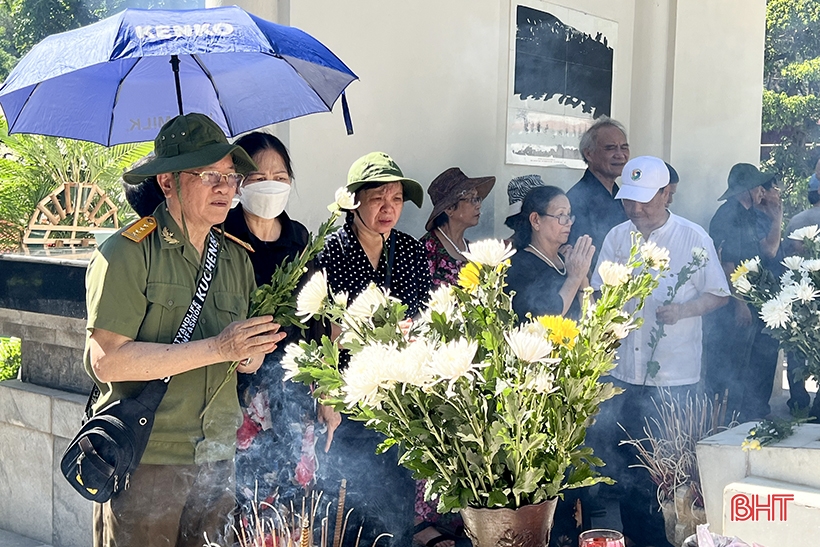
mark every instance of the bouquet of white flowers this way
{"type": "Point", "coordinates": [493, 412]}
{"type": "Point", "coordinates": [788, 305]}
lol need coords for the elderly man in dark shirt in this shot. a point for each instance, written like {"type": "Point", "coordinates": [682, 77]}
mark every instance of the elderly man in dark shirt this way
{"type": "Point", "coordinates": [606, 151]}
{"type": "Point", "coordinates": [737, 352]}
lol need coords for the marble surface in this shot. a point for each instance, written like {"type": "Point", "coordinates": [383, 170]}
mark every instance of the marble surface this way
{"type": "Point", "coordinates": [36, 424]}
{"type": "Point", "coordinates": [721, 461]}
{"type": "Point", "coordinates": [26, 458]}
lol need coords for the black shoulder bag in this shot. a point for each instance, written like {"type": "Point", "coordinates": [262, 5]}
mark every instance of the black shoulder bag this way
{"type": "Point", "coordinates": [101, 458]}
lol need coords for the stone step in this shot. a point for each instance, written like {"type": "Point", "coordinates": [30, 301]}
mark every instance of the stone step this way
{"type": "Point", "coordinates": [770, 512]}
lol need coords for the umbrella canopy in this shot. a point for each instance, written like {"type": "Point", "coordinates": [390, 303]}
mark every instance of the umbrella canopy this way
{"type": "Point", "coordinates": [112, 82]}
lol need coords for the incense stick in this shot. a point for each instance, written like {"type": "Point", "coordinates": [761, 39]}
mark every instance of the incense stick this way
{"type": "Point", "coordinates": [340, 511]}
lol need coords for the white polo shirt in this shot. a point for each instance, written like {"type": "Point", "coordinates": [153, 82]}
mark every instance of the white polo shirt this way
{"type": "Point", "coordinates": [679, 352]}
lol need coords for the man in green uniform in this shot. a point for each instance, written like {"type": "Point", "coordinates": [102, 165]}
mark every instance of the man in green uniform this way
{"type": "Point", "coordinates": [140, 284]}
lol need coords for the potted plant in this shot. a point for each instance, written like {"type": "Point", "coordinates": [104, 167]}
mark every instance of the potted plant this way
{"type": "Point", "coordinates": [668, 452]}
{"type": "Point", "coordinates": [490, 408]}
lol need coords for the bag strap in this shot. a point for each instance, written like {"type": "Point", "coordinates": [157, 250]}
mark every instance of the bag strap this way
{"type": "Point", "coordinates": [153, 392]}
{"type": "Point", "coordinates": [390, 257]}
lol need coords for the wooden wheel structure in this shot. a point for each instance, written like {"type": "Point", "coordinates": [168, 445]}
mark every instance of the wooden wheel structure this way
{"type": "Point", "coordinates": [70, 215]}
{"type": "Point", "coordinates": [11, 236]}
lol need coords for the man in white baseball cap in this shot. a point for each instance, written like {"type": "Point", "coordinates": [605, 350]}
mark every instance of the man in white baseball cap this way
{"type": "Point", "coordinates": [645, 189]}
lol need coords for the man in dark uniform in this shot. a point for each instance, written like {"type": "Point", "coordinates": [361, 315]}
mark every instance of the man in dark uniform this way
{"type": "Point", "coordinates": [606, 151]}
{"type": "Point", "coordinates": [731, 333]}
{"type": "Point", "coordinates": [140, 284]}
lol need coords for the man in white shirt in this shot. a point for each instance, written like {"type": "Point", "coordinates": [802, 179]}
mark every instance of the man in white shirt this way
{"type": "Point", "coordinates": [645, 189]}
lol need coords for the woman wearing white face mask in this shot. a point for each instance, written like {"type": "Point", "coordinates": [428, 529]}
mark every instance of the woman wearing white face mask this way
{"type": "Point", "coordinates": [276, 414]}
{"type": "Point", "coordinates": [260, 218]}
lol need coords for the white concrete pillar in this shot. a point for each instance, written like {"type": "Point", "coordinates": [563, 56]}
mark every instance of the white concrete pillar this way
{"type": "Point", "coordinates": [716, 97]}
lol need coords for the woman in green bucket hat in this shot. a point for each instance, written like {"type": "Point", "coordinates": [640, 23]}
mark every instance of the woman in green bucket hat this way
{"type": "Point", "coordinates": [368, 249]}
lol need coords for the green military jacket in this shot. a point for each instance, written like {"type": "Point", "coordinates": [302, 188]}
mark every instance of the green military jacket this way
{"type": "Point", "coordinates": [142, 290]}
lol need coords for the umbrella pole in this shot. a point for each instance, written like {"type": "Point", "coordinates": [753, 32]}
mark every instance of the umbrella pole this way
{"type": "Point", "coordinates": [175, 67]}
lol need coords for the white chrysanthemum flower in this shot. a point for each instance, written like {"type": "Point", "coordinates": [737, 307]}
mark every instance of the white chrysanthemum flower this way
{"type": "Point", "coordinates": [364, 376]}
{"type": "Point", "coordinates": [809, 232]}
{"type": "Point", "coordinates": [529, 347]}
{"type": "Point", "coordinates": [293, 351]}
{"type": "Point", "coordinates": [534, 327]}
{"type": "Point", "coordinates": [753, 264]}
{"type": "Point", "coordinates": [787, 278]}
{"type": "Point", "coordinates": [793, 262]}
{"type": "Point", "coordinates": [805, 291]}
{"type": "Point", "coordinates": [344, 201]}
{"type": "Point", "coordinates": [788, 293]}
{"type": "Point", "coordinates": [810, 265]}
{"type": "Point", "coordinates": [776, 312]}
{"type": "Point", "coordinates": [443, 301]}
{"type": "Point", "coordinates": [312, 297]}
{"type": "Point", "coordinates": [490, 252]}
{"type": "Point", "coordinates": [622, 330]}
{"type": "Point", "coordinates": [540, 381]}
{"type": "Point", "coordinates": [700, 255]}
{"type": "Point", "coordinates": [454, 360]}
{"type": "Point", "coordinates": [340, 299]}
{"type": "Point", "coordinates": [742, 285]}
{"type": "Point", "coordinates": [412, 365]}
{"type": "Point", "coordinates": [367, 302]}
{"type": "Point", "coordinates": [654, 256]}
{"type": "Point", "coordinates": [613, 274]}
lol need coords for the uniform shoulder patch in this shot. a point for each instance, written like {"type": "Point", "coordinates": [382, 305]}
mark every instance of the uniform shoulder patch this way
{"type": "Point", "coordinates": [244, 244]}
{"type": "Point", "coordinates": [140, 229]}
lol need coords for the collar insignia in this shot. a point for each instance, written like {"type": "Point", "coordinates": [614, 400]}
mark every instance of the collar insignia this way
{"type": "Point", "coordinates": [168, 236]}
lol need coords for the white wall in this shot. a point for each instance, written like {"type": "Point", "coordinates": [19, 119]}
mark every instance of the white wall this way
{"type": "Point", "coordinates": [433, 86]}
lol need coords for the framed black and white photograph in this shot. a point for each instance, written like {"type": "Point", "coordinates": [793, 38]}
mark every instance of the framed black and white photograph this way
{"type": "Point", "coordinates": [560, 81]}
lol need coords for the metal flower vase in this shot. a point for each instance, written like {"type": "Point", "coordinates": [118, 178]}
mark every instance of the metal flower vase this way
{"type": "Point", "coordinates": [528, 526]}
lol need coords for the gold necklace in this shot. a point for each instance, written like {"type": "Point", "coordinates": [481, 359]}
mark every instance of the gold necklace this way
{"type": "Point", "coordinates": [547, 260]}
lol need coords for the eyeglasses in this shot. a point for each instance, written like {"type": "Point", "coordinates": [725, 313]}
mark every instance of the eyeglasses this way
{"type": "Point", "coordinates": [563, 220]}
{"type": "Point", "coordinates": [475, 200]}
{"type": "Point", "coordinates": [213, 178]}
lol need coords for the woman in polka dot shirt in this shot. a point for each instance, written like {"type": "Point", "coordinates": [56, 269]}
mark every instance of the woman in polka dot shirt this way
{"type": "Point", "coordinates": [369, 249]}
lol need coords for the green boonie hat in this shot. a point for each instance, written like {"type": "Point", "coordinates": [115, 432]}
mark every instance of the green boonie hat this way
{"type": "Point", "coordinates": [378, 167]}
{"type": "Point", "coordinates": [187, 142]}
{"type": "Point", "coordinates": [744, 176]}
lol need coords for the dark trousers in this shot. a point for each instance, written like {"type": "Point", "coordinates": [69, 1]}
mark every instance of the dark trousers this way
{"type": "Point", "coordinates": [379, 490]}
{"type": "Point", "coordinates": [169, 506]}
{"type": "Point", "coordinates": [636, 493]}
{"type": "Point", "coordinates": [740, 361]}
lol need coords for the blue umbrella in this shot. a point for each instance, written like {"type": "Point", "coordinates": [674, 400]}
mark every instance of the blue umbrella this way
{"type": "Point", "coordinates": [118, 80]}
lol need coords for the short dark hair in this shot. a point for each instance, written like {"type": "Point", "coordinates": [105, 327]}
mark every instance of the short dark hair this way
{"type": "Point", "coordinates": [255, 142]}
{"type": "Point", "coordinates": [814, 196]}
{"type": "Point", "coordinates": [537, 201]}
{"type": "Point", "coordinates": [144, 197]}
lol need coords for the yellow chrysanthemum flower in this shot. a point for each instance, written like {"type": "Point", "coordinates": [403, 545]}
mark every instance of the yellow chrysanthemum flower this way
{"type": "Point", "coordinates": [750, 445]}
{"type": "Point", "coordinates": [468, 276]}
{"type": "Point", "coordinates": [562, 331]}
{"type": "Point", "coordinates": [739, 272]}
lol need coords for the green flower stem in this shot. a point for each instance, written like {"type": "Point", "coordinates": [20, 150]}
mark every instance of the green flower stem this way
{"type": "Point", "coordinates": [231, 369]}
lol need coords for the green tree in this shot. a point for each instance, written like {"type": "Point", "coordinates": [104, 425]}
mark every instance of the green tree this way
{"type": "Point", "coordinates": [791, 95]}
{"type": "Point", "coordinates": [24, 23]}
{"type": "Point", "coordinates": [32, 166]}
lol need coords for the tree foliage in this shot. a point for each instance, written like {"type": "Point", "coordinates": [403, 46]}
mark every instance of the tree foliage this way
{"type": "Point", "coordinates": [24, 23]}
{"type": "Point", "coordinates": [791, 95]}
{"type": "Point", "coordinates": [32, 166]}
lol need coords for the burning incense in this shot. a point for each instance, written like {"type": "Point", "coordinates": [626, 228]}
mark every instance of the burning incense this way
{"type": "Point", "coordinates": [385, 535]}
{"type": "Point", "coordinates": [304, 538]}
{"type": "Point", "coordinates": [340, 511]}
